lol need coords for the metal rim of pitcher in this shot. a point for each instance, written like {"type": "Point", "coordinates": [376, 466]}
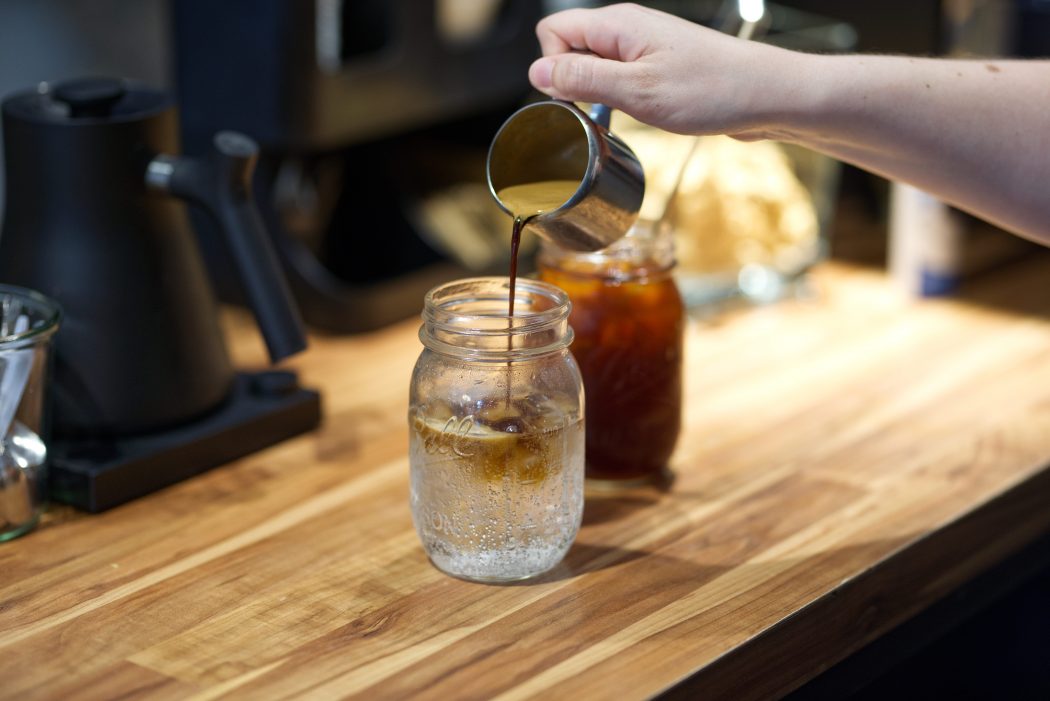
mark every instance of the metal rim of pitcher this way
{"type": "Point", "coordinates": [39, 332]}
{"type": "Point", "coordinates": [594, 146]}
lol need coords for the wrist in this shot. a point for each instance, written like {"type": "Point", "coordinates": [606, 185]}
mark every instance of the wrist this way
{"type": "Point", "coordinates": [795, 96]}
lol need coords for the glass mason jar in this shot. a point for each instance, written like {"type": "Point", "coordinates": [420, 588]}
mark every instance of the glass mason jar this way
{"type": "Point", "coordinates": [629, 322]}
{"type": "Point", "coordinates": [496, 430]}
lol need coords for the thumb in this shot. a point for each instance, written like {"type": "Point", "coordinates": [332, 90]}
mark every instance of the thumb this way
{"type": "Point", "coordinates": [580, 77]}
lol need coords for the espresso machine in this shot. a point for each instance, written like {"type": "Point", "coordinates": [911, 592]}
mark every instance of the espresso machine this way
{"type": "Point", "coordinates": [362, 109]}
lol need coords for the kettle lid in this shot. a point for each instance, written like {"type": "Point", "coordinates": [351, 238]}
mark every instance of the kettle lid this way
{"type": "Point", "coordinates": [87, 100]}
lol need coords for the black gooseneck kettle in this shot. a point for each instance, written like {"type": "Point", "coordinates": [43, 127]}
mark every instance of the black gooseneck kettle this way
{"type": "Point", "coordinates": [95, 218]}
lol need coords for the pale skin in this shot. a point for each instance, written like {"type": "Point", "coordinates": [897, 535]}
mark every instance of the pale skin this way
{"type": "Point", "coordinates": [976, 133]}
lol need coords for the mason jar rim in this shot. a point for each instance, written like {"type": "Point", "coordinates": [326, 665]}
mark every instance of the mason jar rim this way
{"type": "Point", "coordinates": [648, 247]}
{"type": "Point", "coordinates": [476, 308]}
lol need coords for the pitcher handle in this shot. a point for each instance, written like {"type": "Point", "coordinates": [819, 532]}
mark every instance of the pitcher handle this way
{"type": "Point", "coordinates": [600, 114]}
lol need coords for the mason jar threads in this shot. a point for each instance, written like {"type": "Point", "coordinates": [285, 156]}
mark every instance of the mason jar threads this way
{"type": "Point", "coordinates": [629, 322]}
{"type": "Point", "coordinates": [496, 430]}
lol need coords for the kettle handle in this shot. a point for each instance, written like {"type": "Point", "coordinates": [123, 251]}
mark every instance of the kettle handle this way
{"type": "Point", "coordinates": [220, 182]}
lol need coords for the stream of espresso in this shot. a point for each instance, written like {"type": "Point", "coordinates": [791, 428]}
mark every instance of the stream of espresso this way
{"type": "Point", "coordinates": [526, 202]}
{"type": "Point", "coordinates": [515, 244]}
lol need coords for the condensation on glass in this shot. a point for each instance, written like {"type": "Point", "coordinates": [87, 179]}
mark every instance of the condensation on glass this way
{"type": "Point", "coordinates": [496, 430]}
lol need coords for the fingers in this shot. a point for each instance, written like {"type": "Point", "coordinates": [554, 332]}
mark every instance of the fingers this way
{"type": "Point", "coordinates": [581, 77]}
{"type": "Point", "coordinates": [586, 52]}
{"type": "Point", "coordinates": [610, 32]}
{"type": "Point", "coordinates": [558, 35]}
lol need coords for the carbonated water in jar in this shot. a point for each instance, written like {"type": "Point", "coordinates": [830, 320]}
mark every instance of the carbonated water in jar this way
{"type": "Point", "coordinates": [496, 431]}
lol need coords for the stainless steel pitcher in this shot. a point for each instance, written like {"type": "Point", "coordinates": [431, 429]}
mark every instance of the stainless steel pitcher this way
{"type": "Point", "coordinates": [555, 140]}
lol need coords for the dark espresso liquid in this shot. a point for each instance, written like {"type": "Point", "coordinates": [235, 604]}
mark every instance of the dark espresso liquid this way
{"type": "Point", "coordinates": [515, 243]}
{"type": "Point", "coordinates": [526, 202]}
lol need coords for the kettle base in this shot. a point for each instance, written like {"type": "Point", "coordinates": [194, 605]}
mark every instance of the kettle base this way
{"type": "Point", "coordinates": [264, 408]}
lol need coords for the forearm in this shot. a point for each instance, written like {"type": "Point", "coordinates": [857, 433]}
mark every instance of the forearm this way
{"type": "Point", "coordinates": [974, 133]}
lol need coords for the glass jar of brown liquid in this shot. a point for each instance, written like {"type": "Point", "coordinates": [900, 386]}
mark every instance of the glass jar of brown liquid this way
{"type": "Point", "coordinates": [629, 321]}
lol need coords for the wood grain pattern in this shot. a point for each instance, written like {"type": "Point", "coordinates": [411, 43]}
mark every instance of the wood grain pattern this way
{"type": "Point", "coordinates": [847, 460]}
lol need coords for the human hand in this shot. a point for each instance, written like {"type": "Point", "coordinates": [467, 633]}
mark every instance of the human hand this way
{"type": "Point", "coordinates": [663, 70]}
{"type": "Point", "coordinates": [972, 133]}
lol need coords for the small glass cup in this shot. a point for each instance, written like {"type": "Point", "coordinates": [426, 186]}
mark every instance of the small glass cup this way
{"type": "Point", "coordinates": [496, 430]}
{"type": "Point", "coordinates": [28, 320]}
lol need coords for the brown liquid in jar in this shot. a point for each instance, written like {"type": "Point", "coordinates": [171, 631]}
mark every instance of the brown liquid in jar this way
{"type": "Point", "coordinates": [526, 442]}
{"type": "Point", "coordinates": [629, 323]}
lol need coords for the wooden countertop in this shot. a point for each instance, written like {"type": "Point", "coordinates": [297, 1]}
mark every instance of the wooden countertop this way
{"type": "Point", "coordinates": [847, 460]}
